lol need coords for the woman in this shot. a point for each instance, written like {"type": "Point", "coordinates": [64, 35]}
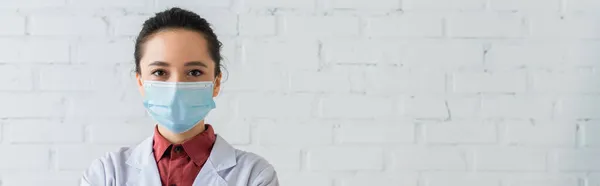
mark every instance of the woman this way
{"type": "Point", "coordinates": [177, 64]}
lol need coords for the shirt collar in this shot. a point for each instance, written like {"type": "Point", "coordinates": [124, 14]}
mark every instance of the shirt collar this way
{"type": "Point", "coordinates": [197, 147]}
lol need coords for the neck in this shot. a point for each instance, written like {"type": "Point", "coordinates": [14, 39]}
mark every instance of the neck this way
{"type": "Point", "coordinates": [180, 138]}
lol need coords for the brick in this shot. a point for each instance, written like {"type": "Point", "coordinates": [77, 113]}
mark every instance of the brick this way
{"type": "Point", "coordinates": [356, 51]}
{"type": "Point", "coordinates": [549, 26]}
{"type": "Point", "coordinates": [581, 107]}
{"type": "Point", "coordinates": [16, 78]}
{"type": "Point", "coordinates": [235, 130]}
{"type": "Point", "coordinates": [583, 6]}
{"type": "Point", "coordinates": [47, 51]}
{"type": "Point", "coordinates": [321, 26]}
{"type": "Point", "coordinates": [362, 107]}
{"type": "Point", "coordinates": [406, 25]}
{"type": "Point", "coordinates": [79, 157]}
{"type": "Point", "coordinates": [582, 53]}
{"type": "Point", "coordinates": [124, 77]}
{"type": "Point", "coordinates": [593, 179]}
{"type": "Point", "coordinates": [427, 81]}
{"type": "Point", "coordinates": [426, 107]}
{"type": "Point", "coordinates": [256, 25]}
{"type": "Point", "coordinates": [542, 179]}
{"type": "Point", "coordinates": [577, 26]}
{"type": "Point", "coordinates": [32, 3]}
{"type": "Point", "coordinates": [109, 3]}
{"type": "Point", "coordinates": [11, 49]}
{"type": "Point", "coordinates": [64, 26]}
{"type": "Point", "coordinates": [381, 179]}
{"type": "Point", "coordinates": [447, 54]}
{"type": "Point", "coordinates": [94, 51]}
{"type": "Point", "coordinates": [476, 25]}
{"type": "Point", "coordinates": [464, 106]}
{"type": "Point", "coordinates": [443, 5]}
{"type": "Point", "coordinates": [28, 158]}
{"type": "Point", "coordinates": [225, 111]}
{"type": "Point", "coordinates": [280, 4]}
{"type": "Point", "coordinates": [429, 159]}
{"type": "Point", "coordinates": [285, 158]}
{"type": "Point", "coordinates": [34, 50]}
{"type": "Point", "coordinates": [462, 178]}
{"type": "Point", "coordinates": [456, 132]}
{"type": "Point", "coordinates": [386, 80]}
{"type": "Point", "coordinates": [590, 130]}
{"type": "Point", "coordinates": [526, 5]}
{"type": "Point", "coordinates": [31, 105]}
{"type": "Point", "coordinates": [517, 107]}
{"type": "Point", "coordinates": [224, 23]}
{"type": "Point", "coordinates": [510, 159]}
{"type": "Point", "coordinates": [276, 106]}
{"type": "Point", "coordinates": [297, 54]}
{"type": "Point", "coordinates": [335, 80]}
{"type": "Point", "coordinates": [482, 82]}
{"type": "Point", "coordinates": [344, 159]}
{"type": "Point", "coordinates": [541, 133]}
{"type": "Point", "coordinates": [578, 160]}
{"type": "Point", "coordinates": [43, 131]}
{"type": "Point", "coordinates": [303, 178]}
{"type": "Point", "coordinates": [375, 132]}
{"type": "Point", "coordinates": [2, 133]}
{"type": "Point", "coordinates": [565, 82]}
{"type": "Point", "coordinates": [229, 51]}
{"type": "Point", "coordinates": [103, 105]}
{"type": "Point", "coordinates": [294, 135]}
{"type": "Point", "coordinates": [41, 178]}
{"type": "Point", "coordinates": [55, 77]}
{"type": "Point", "coordinates": [364, 4]}
{"type": "Point", "coordinates": [203, 3]}
{"type": "Point", "coordinates": [15, 25]}
{"type": "Point", "coordinates": [128, 25]}
{"type": "Point", "coordinates": [127, 134]}
{"type": "Point", "coordinates": [529, 54]}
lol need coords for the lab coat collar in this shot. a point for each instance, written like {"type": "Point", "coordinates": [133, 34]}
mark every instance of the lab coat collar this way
{"type": "Point", "coordinates": [222, 157]}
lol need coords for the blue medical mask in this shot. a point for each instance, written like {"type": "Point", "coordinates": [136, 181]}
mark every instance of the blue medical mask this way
{"type": "Point", "coordinates": [178, 106]}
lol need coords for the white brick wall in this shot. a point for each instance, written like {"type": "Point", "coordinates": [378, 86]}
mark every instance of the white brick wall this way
{"type": "Point", "coordinates": [345, 159]}
{"type": "Point", "coordinates": [331, 92]}
{"type": "Point", "coordinates": [419, 158]}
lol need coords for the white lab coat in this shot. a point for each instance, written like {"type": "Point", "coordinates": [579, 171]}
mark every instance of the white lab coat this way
{"type": "Point", "coordinates": [226, 166]}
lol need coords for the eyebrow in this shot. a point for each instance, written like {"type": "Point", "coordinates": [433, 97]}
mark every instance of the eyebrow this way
{"type": "Point", "coordinates": [196, 63]}
{"type": "Point", "coordinates": [191, 63]}
{"type": "Point", "coordinates": [159, 63]}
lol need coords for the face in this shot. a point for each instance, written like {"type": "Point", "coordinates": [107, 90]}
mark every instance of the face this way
{"type": "Point", "coordinates": [177, 55]}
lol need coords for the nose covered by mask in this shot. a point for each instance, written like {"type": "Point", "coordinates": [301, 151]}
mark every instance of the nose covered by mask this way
{"type": "Point", "coordinates": [178, 106]}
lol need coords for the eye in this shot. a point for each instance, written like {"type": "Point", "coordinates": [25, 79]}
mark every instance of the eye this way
{"type": "Point", "coordinates": [195, 73]}
{"type": "Point", "coordinates": [159, 72]}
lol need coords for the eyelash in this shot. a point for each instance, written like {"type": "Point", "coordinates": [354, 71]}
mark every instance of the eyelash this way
{"type": "Point", "coordinates": [158, 70]}
{"type": "Point", "coordinates": [195, 70]}
{"type": "Point", "coordinates": [163, 72]}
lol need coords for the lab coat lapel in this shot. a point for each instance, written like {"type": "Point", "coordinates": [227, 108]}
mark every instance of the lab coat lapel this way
{"type": "Point", "coordinates": [144, 171]}
{"type": "Point", "coordinates": [222, 157]}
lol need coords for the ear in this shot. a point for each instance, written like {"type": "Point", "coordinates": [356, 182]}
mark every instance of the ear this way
{"type": "Point", "coordinates": [140, 84]}
{"type": "Point", "coordinates": [217, 87]}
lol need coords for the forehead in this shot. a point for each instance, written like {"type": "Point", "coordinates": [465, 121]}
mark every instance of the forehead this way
{"type": "Point", "coordinates": [176, 46]}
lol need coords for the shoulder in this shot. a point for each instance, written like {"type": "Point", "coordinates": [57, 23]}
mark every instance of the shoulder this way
{"type": "Point", "coordinates": [116, 158]}
{"type": "Point", "coordinates": [106, 169]}
{"type": "Point", "coordinates": [103, 170]}
{"type": "Point", "coordinates": [261, 171]}
{"type": "Point", "coordinates": [248, 158]}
